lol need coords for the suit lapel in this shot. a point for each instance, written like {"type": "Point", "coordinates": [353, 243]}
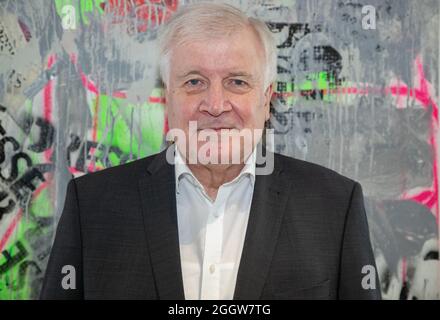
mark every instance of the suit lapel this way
{"type": "Point", "coordinates": [157, 193]}
{"type": "Point", "coordinates": [267, 209]}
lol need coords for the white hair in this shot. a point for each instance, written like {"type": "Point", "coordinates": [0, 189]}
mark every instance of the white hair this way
{"type": "Point", "coordinates": [201, 21]}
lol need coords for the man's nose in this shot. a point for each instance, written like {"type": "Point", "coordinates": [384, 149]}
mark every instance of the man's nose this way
{"type": "Point", "coordinates": [216, 101]}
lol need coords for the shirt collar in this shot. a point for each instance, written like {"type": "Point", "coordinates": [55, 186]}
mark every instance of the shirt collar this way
{"type": "Point", "coordinates": [182, 169]}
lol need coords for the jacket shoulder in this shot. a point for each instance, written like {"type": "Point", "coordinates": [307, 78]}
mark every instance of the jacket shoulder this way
{"type": "Point", "coordinates": [118, 175]}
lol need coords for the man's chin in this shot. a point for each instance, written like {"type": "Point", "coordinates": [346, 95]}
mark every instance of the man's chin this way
{"type": "Point", "coordinates": [220, 156]}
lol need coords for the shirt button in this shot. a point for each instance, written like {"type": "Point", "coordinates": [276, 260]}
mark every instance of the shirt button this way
{"type": "Point", "coordinates": [212, 268]}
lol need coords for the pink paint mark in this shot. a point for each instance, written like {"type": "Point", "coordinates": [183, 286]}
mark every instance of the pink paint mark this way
{"type": "Point", "coordinates": [47, 103]}
{"type": "Point", "coordinates": [428, 196]}
{"type": "Point", "coordinates": [89, 85]}
{"type": "Point", "coordinates": [48, 92]}
{"type": "Point", "coordinates": [10, 229]}
{"type": "Point", "coordinates": [422, 196]}
{"type": "Point", "coordinates": [119, 94]}
{"type": "Point", "coordinates": [40, 188]}
{"type": "Point", "coordinates": [400, 102]}
{"type": "Point", "coordinates": [74, 170]}
{"type": "Point", "coordinates": [421, 93]}
{"type": "Point", "coordinates": [160, 100]}
{"type": "Point", "coordinates": [435, 175]}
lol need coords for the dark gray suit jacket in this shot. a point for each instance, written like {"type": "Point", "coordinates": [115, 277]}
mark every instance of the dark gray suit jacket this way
{"type": "Point", "coordinates": [307, 236]}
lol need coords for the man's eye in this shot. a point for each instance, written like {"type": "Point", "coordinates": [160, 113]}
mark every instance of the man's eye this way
{"type": "Point", "coordinates": [238, 82]}
{"type": "Point", "coordinates": [193, 82]}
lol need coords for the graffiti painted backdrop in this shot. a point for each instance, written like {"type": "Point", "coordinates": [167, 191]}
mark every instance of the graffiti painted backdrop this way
{"type": "Point", "coordinates": [357, 91]}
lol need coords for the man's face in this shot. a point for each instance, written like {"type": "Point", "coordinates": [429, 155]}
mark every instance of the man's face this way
{"type": "Point", "coordinates": [219, 84]}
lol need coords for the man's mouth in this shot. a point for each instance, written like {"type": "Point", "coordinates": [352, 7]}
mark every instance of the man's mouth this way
{"type": "Point", "coordinates": [222, 128]}
{"type": "Point", "coordinates": [217, 129]}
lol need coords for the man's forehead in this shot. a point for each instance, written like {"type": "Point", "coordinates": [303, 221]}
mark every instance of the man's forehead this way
{"type": "Point", "coordinates": [242, 35]}
{"type": "Point", "coordinates": [238, 52]}
{"type": "Point", "coordinates": [207, 64]}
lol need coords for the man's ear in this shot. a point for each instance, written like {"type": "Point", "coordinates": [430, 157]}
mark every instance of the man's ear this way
{"type": "Point", "coordinates": [267, 98]}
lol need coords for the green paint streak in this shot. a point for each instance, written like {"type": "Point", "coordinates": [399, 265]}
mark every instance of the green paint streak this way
{"type": "Point", "coordinates": [115, 118]}
{"type": "Point", "coordinates": [83, 8]}
{"type": "Point", "coordinates": [41, 206]}
{"type": "Point", "coordinates": [316, 81]}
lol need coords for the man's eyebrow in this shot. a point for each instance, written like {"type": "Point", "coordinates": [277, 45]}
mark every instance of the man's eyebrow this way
{"type": "Point", "coordinates": [189, 73]}
{"type": "Point", "coordinates": [230, 74]}
{"type": "Point", "coordinates": [240, 74]}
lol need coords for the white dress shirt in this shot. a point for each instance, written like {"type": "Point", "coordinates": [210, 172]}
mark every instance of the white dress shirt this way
{"type": "Point", "coordinates": [211, 233]}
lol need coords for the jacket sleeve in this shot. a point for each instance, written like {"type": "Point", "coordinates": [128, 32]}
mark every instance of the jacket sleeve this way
{"type": "Point", "coordinates": [358, 278]}
{"type": "Point", "coordinates": [63, 278]}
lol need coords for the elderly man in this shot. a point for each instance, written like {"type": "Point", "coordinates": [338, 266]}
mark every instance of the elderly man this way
{"type": "Point", "coordinates": [197, 224]}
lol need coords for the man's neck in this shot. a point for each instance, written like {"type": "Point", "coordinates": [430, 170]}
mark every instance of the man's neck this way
{"type": "Point", "coordinates": [213, 176]}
